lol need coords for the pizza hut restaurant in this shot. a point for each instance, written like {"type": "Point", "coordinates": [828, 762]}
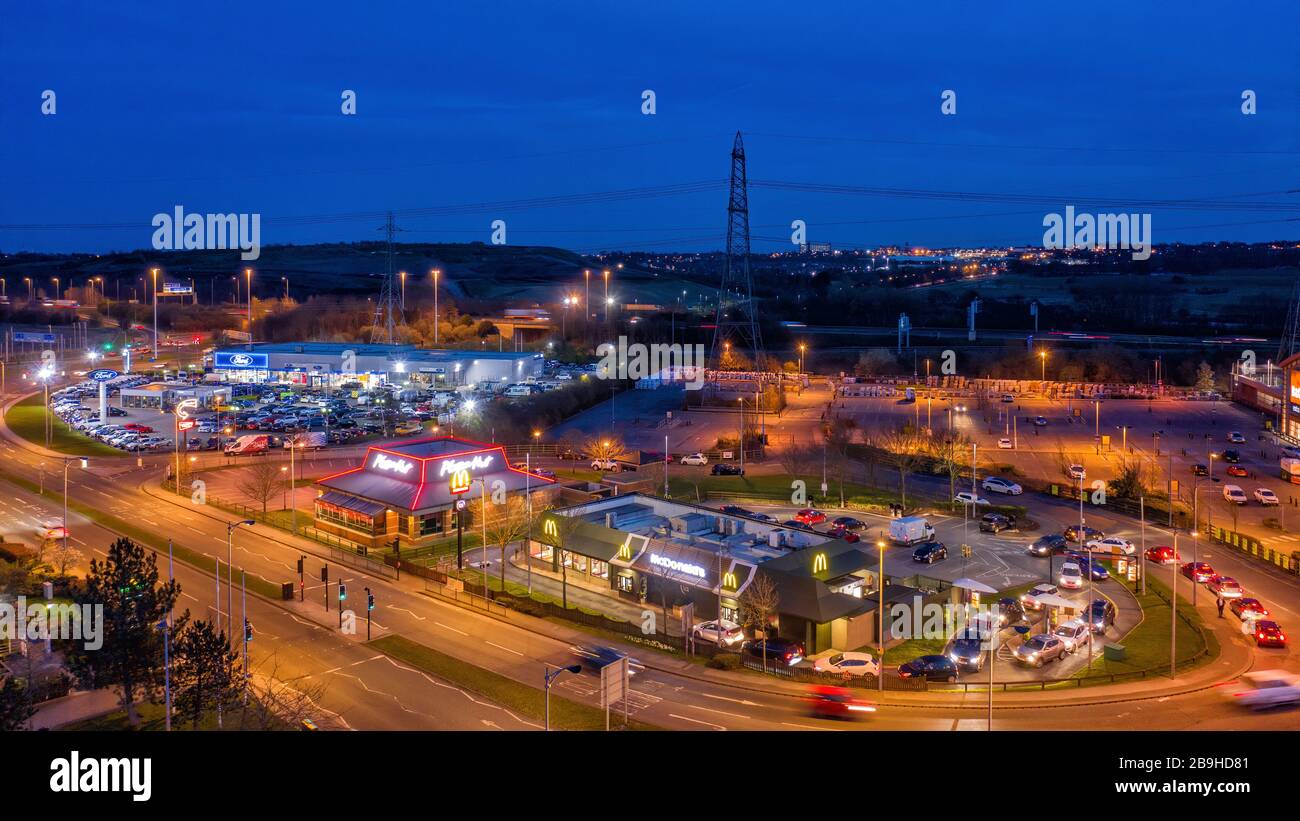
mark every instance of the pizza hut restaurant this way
{"type": "Point", "coordinates": [409, 490]}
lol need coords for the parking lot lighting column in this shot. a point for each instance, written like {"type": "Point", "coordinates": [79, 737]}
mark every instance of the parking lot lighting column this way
{"type": "Point", "coordinates": [1173, 607]}
{"type": "Point", "coordinates": [880, 615]}
{"type": "Point", "coordinates": [1195, 556]}
{"type": "Point", "coordinates": [154, 273]}
{"type": "Point", "coordinates": [230, 579]}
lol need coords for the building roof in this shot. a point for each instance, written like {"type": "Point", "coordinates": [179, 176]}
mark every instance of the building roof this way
{"type": "Point", "coordinates": [397, 352]}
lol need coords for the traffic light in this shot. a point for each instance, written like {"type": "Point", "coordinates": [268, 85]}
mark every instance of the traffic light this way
{"type": "Point", "coordinates": [300, 566]}
{"type": "Point", "coordinates": [248, 630]}
{"type": "Point", "coordinates": [343, 591]}
{"type": "Point", "coordinates": [370, 601]}
{"type": "Point", "coordinates": [325, 574]}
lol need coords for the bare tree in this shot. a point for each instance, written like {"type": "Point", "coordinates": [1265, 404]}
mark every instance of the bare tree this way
{"type": "Point", "coordinates": [274, 703]}
{"type": "Point", "coordinates": [906, 451]}
{"type": "Point", "coordinates": [949, 452]}
{"type": "Point", "coordinates": [609, 446]}
{"type": "Point", "coordinates": [65, 555]}
{"type": "Point", "coordinates": [838, 433]}
{"type": "Point", "coordinates": [757, 607]}
{"type": "Point", "coordinates": [505, 524]}
{"type": "Point", "coordinates": [261, 481]}
{"type": "Point", "coordinates": [796, 458]}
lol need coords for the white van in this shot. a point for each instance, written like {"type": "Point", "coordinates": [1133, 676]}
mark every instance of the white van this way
{"type": "Point", "coordinates": [910, 530]}
{"type": "Point", "coordinates": [1234, 494]}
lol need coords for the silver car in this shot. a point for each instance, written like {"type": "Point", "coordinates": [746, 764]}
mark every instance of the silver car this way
{"type": "Point", "coordinates": [1074, 633]}
{"type": "Point", "coordinates": [1041, 649]}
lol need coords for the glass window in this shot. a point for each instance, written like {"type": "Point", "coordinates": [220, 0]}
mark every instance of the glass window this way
{"type": "Point", "coordinates": [599, 568]}
{"type": "Point", "coordinates": [624, 583]}
{"type": "Point", "coordinates": [541, 551]}
{"type": "Point", "coordinates": [431, 524]}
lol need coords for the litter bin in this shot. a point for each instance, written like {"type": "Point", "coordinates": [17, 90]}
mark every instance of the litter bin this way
{"type": "Point", "coordinates": [1113, 652]}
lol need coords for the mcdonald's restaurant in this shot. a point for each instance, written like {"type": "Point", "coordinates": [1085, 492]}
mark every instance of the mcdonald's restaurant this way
{"type": "Point", "coordinates": [417, 491]}
{"type": "Point", "coordinates": [641, 550]}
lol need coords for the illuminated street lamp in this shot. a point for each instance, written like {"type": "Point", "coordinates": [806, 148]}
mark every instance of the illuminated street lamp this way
{"type": "Point", "coordinates": [435, 273]}
{"type": "Point", "coordinates": [153, 272]}
{"type": "Point", "coordinates": [803, 348]}
{"type": "Point", "coordinates": [880, 615]}
{"type": "Point", "coordinates": [248, 281]}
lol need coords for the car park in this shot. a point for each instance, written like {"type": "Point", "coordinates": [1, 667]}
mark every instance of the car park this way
{"type": "Point", "coordinates": [1225, 587]}
{"type": "Point", "coordinates": [930, 552]}
{"type": "Point", "coordinates": [1265, 496]}
{"type": "Point", "coordinates": [716, 631]}
{"type": "Point", "coordinates": [1039, 649]}
{"type": "Point", "coordinates": [847, 664]}
{"type": "Point", "coordinates": [1199, 572]}
{"type": "Point", "coordinates": [1248, 608]}
{"type": "Point", "coordinates": [929, 668]}
{"type": "Point", "coordinates": [1113, 545]}
{"type": "Point", "coordinates": [996, 484]}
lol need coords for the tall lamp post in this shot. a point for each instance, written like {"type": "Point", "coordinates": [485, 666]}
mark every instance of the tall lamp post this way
{"type": "Point", "coordinates": [230, 578]}
{"type": "Point", "coordinates": [550, 677]}
{"type": "Point", "coordinates": [153, 272]}
{"type": "Point", "coordinates": [880, 615]}
{"type": "Point", "coordinates": [66, 463]}
{"type": "Point", "coordinates": [248, 282]}
{"type": "Point", "coordinates": [1042, 366]}
{"type": "Point", "coordinates": [436, 273]}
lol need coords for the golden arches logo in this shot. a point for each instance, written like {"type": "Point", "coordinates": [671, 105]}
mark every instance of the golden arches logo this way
{"type": "Point", "coordinates": [549, 529]}
{"type": "Point", "coordinates": [729, 581]}
{"type": "Point", "coordinates": [625, 549]}
{"type": "Point", "coordinates": [460, 481]}
{"type": "Point", "coordinates": [820, 563]}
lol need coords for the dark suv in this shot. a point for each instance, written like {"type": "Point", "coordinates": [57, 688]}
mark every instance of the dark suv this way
{"type": "Point", "coordinates": [930, 552]}
{"type": "Point", "coordinates": [930, 668]}
{"type": "Point", "coordinates": [1010, 611]}
{"type": "Point", "coordinates": [1101, 615]}
{"type": "Point", "coordinates": [721, 469]}
{"type": "Point", "coordinates": [1052, 543]}
{"type": "Point", "coordinates": [782, 651]}
{"type": "Point", "coordinates": [995, 523]}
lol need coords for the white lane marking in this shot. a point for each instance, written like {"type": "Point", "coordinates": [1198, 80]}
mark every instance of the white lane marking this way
{"type": "Point", "coordinates": [452, 629]}
{"type": "Point", "coordinates": [742, 701]}
{"type": "Point", "coordinates": [507, 649]}
{"type": "Point", "coordinates": [404, 610]}
{"type": "Point", "coordinates": [719, 712]}
{"type": "Point", "coordinates": [697, 721]}
{"type": "Point", "coordinates": [810, 727]}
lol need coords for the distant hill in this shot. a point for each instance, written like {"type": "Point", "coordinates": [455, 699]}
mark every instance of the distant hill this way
{"type": "Point", "coordinates": [470, 271]}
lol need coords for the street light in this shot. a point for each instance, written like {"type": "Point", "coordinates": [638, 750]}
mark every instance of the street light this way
{"type": "Point", "coordinates": [66, 463]}
{"type": "Point", "coordinates": [153, 272]}
{"type": "Point", "coordinates": [1042, 361]}
{"type": "Point", "coordinates": [880, 615]}
{"type": "Point", "coordinates": [402, 275]}
{"type": "Point", "coordinates": [248, 281]}
{"type": "Point", "coordinates": [230, 579]}
{"type": "Point", "coordinates": [550, 677]}
{"type": "Point", "coordinates": [436, 273]}
{"type": "Point", "coordinates": [802, 348]}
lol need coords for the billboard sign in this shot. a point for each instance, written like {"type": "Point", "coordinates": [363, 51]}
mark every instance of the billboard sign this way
{"type": "Point", "coordinates": [44, 339]}
{"type": "Point", "coordinates": [240, 360]}
{"type": "Point", "coordinates": [102, 375]}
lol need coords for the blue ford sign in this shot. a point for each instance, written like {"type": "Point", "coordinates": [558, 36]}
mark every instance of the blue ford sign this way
{"type": "Point", "coordinates": [241, 360]}
{"type": "Point", "coordinates": [102, 375]}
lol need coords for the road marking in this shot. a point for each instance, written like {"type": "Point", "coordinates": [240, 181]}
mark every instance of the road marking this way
{"type": "Point", "coordinates": [507, 649]}
{"type": "Point", "coordinates": [697, 721]}
{"type": "Point", "coordinates": [742, 701]}
{"type": "Point", "coordinates": [404, 610]}
{"type": "Point", "coordinates": [719, 712]}
{"type": "Point", "coordinates": [452, 629]}
{"type": "Point", "coordinates": [810, 727]}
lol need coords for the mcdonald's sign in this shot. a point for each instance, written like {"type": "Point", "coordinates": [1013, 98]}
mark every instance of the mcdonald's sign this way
{"type": "Point", "coordinates": [549, 529]}
{"type": "Point", "coordinates": [820, 563]}
{"type": "Point", "coordinates": [460, 482]}
{"type": "Point", "coordinates": [625, 549]}
{"type": "Point", "coordinates": [729, 581]}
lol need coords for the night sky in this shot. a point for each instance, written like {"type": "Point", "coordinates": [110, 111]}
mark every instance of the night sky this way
{"type": "Point", "coordinates": [235, 107]}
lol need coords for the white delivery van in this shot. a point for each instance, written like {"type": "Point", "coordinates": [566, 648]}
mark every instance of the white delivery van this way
{"type": "Point", "coordinates": [1234, 493]}
{"type": "Point", "coordinates": [910, 530]}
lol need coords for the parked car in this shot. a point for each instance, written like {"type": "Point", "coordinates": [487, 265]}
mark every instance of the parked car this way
{"type": "Point", "coordinates": [995, 523]}
{"type": "Point", "coordinates": [1078, 472]}
{"type": "Point", "coordinates": [930, 552]}
{"type": "Point", "coordinates": [1040, 649]}
{"type": "Point", "coordinates": [1234, 494]}
{"type": "Point", "coordinates": [965, 497]}
{"type": "Point", "coordinates": [695, 459]}
{"type": "Point", "coordinates": [1231, 456]}
{"type": "Point", "coordinates": [930, 668]}
{"type": "Point", "coordinates": [779, 650]}
{"type": "Point", "coordinates": [1265, 496]}
{"type": "Point", "coordinates": [847, 664]}
{"type": "Point", "coordinates": [1052, 543]}
{"type": "Point", "coordinates": [1074, 633]}
{"type": "Point", "coordinates": [997, 484]}
{"type": "Point", "coordinates": [1004, 443]}
{"type": "Point", "coordinates": [1161, 554]}
{"type": "Point", "coordinates": [605, 465]}
{"type": "Point", "coordinates": [1200, 470]}
{"type": "Point", "coordinates": [736, 510]}
{"type": "Point", "coordinates": [1040, 421]}
{"type": "Point", "coordinates": [1225, 587]}
{"type": "Point", "coordinates": [1236, 438]}
{"type": "Point", "coordinates": [724, 469]}
{"type": "Point", "coordinates": [1247, 608]}
{"type": "Point", "coordinates": [710, 631]}
{"type": "Point", "coordinates": [1101, 614]}
{"type": "Point", "coordinates": [848, 523]}
{"type": "Point", "coordinates": [1238, 471]}
{"type": "Point", "coordinates": [1199, 572]}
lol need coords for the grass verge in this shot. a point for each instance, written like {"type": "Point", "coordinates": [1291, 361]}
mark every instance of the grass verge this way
{"type": "Point", "coordinates": [27, 419]}
{"type": "Point", "coordinates": [520, 698]}
{"type": "Point", "coordinates": [1146, 647]}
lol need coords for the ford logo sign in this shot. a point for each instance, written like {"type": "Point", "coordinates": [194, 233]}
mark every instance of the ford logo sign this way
{"type": "Point", "coordinates": [102, 375]}
{"type": "Point", "coordinates": [241, 360]}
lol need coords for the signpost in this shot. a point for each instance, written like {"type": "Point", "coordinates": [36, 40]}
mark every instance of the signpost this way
{"type": "Point", "coordinates": [613, 686]}
{"type": "Point", "coordinates": [102, 377]}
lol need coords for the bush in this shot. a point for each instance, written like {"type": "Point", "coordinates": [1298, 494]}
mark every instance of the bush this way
{"type": "Point", "coordinates": [724, 661]}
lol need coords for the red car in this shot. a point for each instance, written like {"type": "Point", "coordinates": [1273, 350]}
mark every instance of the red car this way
{"type": "Point", "coordinates": [1161, 554]}
{"type": "Point", "coordinates": [1244, 608]}
{"type": "Point", "coordinates": [837, 702]}
{"type": "Point", "coordinates": [810, 516]}
{"type": "Point", "coordinates": [137, 427]}
{"type": "Point", "coordinates": [1198, 571]}
{"type": "Point", "coordinates": [1237, 470]}
{"type": "Point", "coordinates": [841, 532]}
{"type": "Point", "coordinates": [1269, 634]}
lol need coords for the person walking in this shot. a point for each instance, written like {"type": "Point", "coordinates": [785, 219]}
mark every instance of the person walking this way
{"type": "Point", "coordinates": [1219, 603]}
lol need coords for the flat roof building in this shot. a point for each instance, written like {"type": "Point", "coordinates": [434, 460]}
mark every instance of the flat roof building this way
{"type": "Point", "coordinates": [330, 364]}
